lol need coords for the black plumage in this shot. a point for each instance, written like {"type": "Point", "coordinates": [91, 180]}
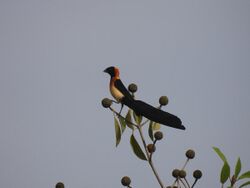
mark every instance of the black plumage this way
{"type": "Point", "coordinates": [121, 94]}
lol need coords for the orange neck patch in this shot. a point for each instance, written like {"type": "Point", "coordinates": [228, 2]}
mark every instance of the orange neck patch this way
{"type": "Point", "coordinates": [117, 73]}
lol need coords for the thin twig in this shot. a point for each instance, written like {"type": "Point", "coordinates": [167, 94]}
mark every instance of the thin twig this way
{"type": "Point", "coordinates": [187, 182]}
{"type": "Point", "coordinates": [178, 183]}
{"type": "Point", "coordinates": [185, 164]}
{"type": "Point", "coordinates": [194, 183]}
{"type": "Point", "coordinates": [151, 154]}
{"type": "Point", "coordinates": [144, 122]}
{"type": "Point", "coordinates": [148, 157]}
{"type": "Point", "coordinates": [174, 182]}
{"type": "Point", "coordinates": [119, 115]}
{"type": "Point", "coordinates": [183, 183]}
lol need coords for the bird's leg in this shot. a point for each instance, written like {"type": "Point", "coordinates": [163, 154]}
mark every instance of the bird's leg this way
{"type": "Point", "coordinates": [115, 101]}
{"type": "Point", "coordinates": [121, 109]}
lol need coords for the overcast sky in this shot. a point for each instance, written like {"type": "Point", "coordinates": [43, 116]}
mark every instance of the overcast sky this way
{"type": "Point", "coordinates": [52, 54]}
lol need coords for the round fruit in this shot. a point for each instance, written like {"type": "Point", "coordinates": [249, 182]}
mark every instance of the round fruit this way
{"type": "Point", "coordinates": [125, 181]}
{"type": "Point", "coordinates": [163, 100]}
{"type": "Point", "coordinates": [190, 154]}
{"type": "Point", "coordinates": [59, 185]}
{"type": "Point", "coordinates": [182, 173]}
{"type": "Point", "coordinates": [158, 135]}
{"type": "Point", "coordinates": [132, 88]}
{"type": "Point", "coordinates": [197, 174]}
{"type": "Point", "coordinates": [151, 148]}
{"type": "Point", "coordinates": [175, 173]}
{"type": "Point", "coordinates": [106, 103]}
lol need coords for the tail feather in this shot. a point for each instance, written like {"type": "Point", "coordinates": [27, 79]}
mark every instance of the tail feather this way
{"type": "Point", "coordinates": [154, 114]}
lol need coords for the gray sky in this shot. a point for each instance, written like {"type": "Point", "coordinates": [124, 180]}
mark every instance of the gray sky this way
{"type": "Point", "coordinates": [52, 54]}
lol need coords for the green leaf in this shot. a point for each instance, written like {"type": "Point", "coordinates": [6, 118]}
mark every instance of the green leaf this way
{"type": "Point", "coordinates": [128, 120]}
{"type": "Point", "coordinates": [117, 132]}
{"type": "Point", "coordinates": [156, 126]}
{"type": "Point", "coordinates": [137, 118]}
{"type": "Point", "coordinates": [150, 131]}
{"type": "Point", "coordinates": [136, 148]}
{"type": "Point", "coordinates": [225, 173]}
{"type": "Point", "coordinates": [237, 168]}
{"type": "Point", "coordinates": [244, 184]}
{"type": "Point", "coordinates": [221, 155]}
{"type": "Point", "coordinates": [122, 123]}
{"type": "Point", "coordinates": [244, 175]}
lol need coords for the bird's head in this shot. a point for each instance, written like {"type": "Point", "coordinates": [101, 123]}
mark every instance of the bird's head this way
{"type": "Point", "coordinates": [112, 71]}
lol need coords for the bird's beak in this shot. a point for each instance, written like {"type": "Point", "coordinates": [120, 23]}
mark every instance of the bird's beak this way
{"type": "Point", "coordinates": [105, 71]}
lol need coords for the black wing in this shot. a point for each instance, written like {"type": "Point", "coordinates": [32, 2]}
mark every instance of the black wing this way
{"type": "Point", "coordinates": [158, 115]}
{"type": "Point", "coordinates": [154, 114]}
{"type": "Point", "coordinates": [119, 85]}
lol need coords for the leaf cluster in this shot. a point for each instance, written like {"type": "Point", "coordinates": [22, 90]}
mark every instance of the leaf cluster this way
{"type": "Point", "coordinates": [225, 175]}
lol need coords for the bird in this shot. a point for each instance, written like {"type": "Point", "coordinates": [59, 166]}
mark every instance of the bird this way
{"type": "Point", "coordinates": [123, 96]}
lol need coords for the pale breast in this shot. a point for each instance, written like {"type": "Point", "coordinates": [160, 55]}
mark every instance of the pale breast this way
{"type": "Point", "coordinates": [116, 93]}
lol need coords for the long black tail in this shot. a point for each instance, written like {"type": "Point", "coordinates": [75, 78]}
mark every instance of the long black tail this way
{"type": "Point", "coordinates": [153, 114]}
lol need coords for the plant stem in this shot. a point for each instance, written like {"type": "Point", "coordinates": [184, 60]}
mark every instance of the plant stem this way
{"type": "Point", "coordinates": [145, 147]}
{"type": "Point", "coordinates": [151, 154]}
{"type": "Point", "coordinates": [187, 182]}
{"type": "Point", "coordinates": [149, 159]}
{"type": "Point", "coordinates": [195, 181]}
{"type": "Point", "coordinates": [184, 166]}
{"type": "Point", "coordinates": [183, 183]}
{"type": "Point", "coordinates": [119, 115]}
{"type": "Point", "coordinates": [178, 183]}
